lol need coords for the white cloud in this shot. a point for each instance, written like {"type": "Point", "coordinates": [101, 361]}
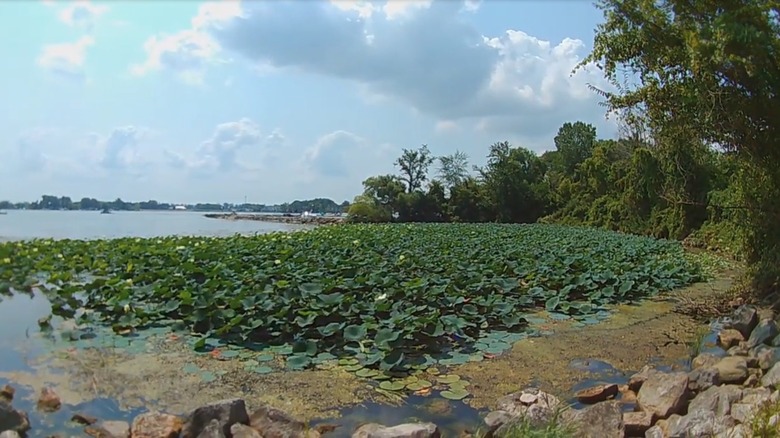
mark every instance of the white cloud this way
{"type": "Point", "coordinates": [234, 146]}
{"type": "Point", "coordinates": [446, 126]}
{"type": "Point", "coordinates": [81, 13]}
{"type": "Point", "coordinates": [509, 83]}
{"type": "Point", "coordinates": [120, 149]}
{"type": "Point", "coordinates": [189, 52]}
{"type": "Point", "coordinates": [66, 58]}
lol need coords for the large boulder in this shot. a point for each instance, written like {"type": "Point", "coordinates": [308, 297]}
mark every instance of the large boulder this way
{"type": "Point", "coordinates": [409, 430]}
{"type": "Point", "coordinates": [602, 420]}
{"type": "Point", "coordinates": [744, 319]}
{"type": "Point", "coordinates": [764, 332]}
{"type": "Point", "coordinates": [156, 425]}
{"type": "Point", "coordinates": [531, 404]}
{"type": "Point", "coordinates": [225, 412]}
{"type": "Point", "coordinates": [274, 423]}
{"type": "Point", "coordinates": [732, 369]}
{"type": "Point", "coordinates": [664, 394]}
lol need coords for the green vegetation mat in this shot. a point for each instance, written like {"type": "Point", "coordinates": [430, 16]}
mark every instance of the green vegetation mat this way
{"type": "Point", "coordinates": [374, 296]}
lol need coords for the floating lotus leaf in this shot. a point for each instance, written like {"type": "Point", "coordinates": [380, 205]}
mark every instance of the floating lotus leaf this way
{"type": "Point", "coordinates": [250, 363]}
{"type": "Point", "coordinates": [382, 376]}
{"type": "Point", "coordinates": [264, 357]}
{"type": "Point", "coordinates": [448, 378]}
{"type": "Point", "coordinates": [366, 373]}
{"type": "Point", "coordinates": [455, 394]}
{"type": "Point", "coordinates": [418, 385]}
{"type": "Point", "coordinates": [353, 368]}
{"type": "Point", "coordinates": [476, 358]}
{"type": "Point", "coordinates": [348, 362]}
{"type": "Point", "coordinates": [228, 354]}
{"type": "Point", "coordinates": [432, 371]}
{"type": "Point", "coordinates": [190, 368]}
{"type": "Point", "coordinates": [298, 362]}
{"type": "Point", "coordinates": [208, 376]}
{"type": "Point", "coordinates": [462, 384]}
{"type": "Point", "coordinates": [261, 369]}
{"type": "Point", "coordinates": [392, 385]}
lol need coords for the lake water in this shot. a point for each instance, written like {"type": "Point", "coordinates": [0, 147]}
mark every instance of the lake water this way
{"type": "Point", "coordinates": [30, 224]}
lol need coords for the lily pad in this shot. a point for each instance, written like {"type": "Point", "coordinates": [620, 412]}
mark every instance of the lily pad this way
{"type": "Point", "coordinates": [418, 385]}
{"type": "Point", "coordinates": [208, 376]}
{"type": "Point", "coordinates": [366, 373]}
{"type": "Point", "coordinates": [455, 394]}
{"type": "Point", "coordinates": [190, 368]}
{"type": "Point", "coordinates": [264, 357]}
{"type": "Point", "coordinates": [261, 369]}
{"type": "Point", "coordinates": [388, 385]}
{"type": "Point", "coordinates": [353, 368]}
{"type": "Point", "coordinates": [448, 378]}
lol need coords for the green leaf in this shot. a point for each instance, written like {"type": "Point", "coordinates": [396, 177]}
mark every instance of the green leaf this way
{"type": "Point", "coordinates": [455, 394]}
{"type": "Point", "coordinates": [392, 385]}
{"type": "Point", "coordinates": [298, 362]}
{"type": "Point", "coordinates": [355, 333]}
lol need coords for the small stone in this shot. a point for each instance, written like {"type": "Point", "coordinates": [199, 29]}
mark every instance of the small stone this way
{"type": "Point", "coordinates": [664, 394]}
{"type": "Point", "coordinates": [637, 423]}
{"type": "Point", "coordinates": [212, 430]}
{"type": "Point", "coordinates": [751, 381]}
{"type": "Point", "coordinates": [738, 431]}
{"type": "Point", "coordinates": [732, 369]}
{"type": "Point", "coordinates": [156, 425]}
{"type": "Point", "coordinates": [728, 338]}
{"type": "Point", "coordinates": [83, 419]}
{"type": "Point", "coordinates": [756, 396]}
{"type": "Point", "coordinates": [542, 409]}
{"type": "Point", "coordinates": [528, 399]}
{"type": "Point", "coordinates": [117, 429]}
{"type": "Point", "coordinates": [7, 393]}
{"type": "Point", "coordinates": [698, 424]}
{"type": "Point", "coordinates": [738, 350]}
{"type": "Point", "coordinates": [628, 396]}
{"type": "Point", "coordinates": [655, 432]}
{"type": "Point", "coordinates": [597, 394]}
{"type": "Point", "coordinates": [636, 381]}
{"type": "Point", "coordinates": [48, 401]}
{"type": "Point", "coordinates": [764, 357]}
{"type": "Point", "coordinates": [243, 431]}
{"type": "Point", "coordinates": [495, 419]}
{"type": "Point", "coordinates": [97, 432]}
{"type": "Point", "coordinates": [602, 420]}
{"type": "Point", "coordinates": [409, 430]}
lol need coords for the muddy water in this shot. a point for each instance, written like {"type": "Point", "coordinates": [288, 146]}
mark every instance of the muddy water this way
{"type": "Point", "coordinates": [115, 383]}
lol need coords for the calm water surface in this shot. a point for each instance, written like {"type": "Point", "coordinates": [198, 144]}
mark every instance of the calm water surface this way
{"type": "Point", "coordinates": [30, 224]}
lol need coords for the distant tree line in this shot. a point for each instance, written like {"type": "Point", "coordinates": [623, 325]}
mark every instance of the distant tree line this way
{"type": "Point", "coordinates": [49, 202]}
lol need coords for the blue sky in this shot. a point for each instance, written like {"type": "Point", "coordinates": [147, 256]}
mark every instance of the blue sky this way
{"type": "Point", "coordinates": [183, 101]}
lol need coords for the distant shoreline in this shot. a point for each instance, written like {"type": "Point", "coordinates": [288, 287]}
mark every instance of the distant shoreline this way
{"type": "Point", "coordinates": [279, 218]}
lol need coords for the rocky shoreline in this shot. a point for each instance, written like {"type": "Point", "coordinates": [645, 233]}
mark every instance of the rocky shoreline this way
{"type": "Point", "coordinates": [279, 218]}
{"type": "Point", "coordinates": [728, 386]}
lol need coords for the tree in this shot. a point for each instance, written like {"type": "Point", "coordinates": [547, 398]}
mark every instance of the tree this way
{"type": "Point", "coordinates": [385, 190]}
{"type": "Point", "coordinates": [707, 70]}
{"type": "Point", "coordinates": [574, 144]}
{"type": "Point", "coordinates": [414, 166]}
{"type": "Point", "coordinates": [514, 180]}
{"type": "Point", "coordinates": [453, 168]}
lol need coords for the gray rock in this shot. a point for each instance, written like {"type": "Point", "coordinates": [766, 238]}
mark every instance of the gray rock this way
{"type": "Point", "coordinates": [274, 422]}
{"type": "Point", "coordinates": [717, 399]}
{"type": "Point", "coordinates": [764, 332]}
{"type": "Point", "coordinates": [698, 424]}
{"type": "Point", "coordinates": [764, 357]}
{"type": "Point", "coordinates": [772, 377]}
{"type": "Point", "coordinates": [226, 412]}
{"type": "Point", "coordinates": [705, 360]}
{"type": "Point", "coordinates": [409, 430]}
{"type": "Point", "coordinates": [12, 419]}
{"type": "Point", "coordinates": [117, 429]}
{"type": "Point", "coordinates": [744, 319]}
{"type": "Point", "coordinates": [637, 423]}
{"type": "Point", "coordinates": [496, 419]}
{"type": "Point", "coordinates": [531, 404]}
{"type": "Point", "coordinates": [602, 420]}
{"type": "Point", "coordinates": [743, 412]}
{"type": "Point", "coordinates": [728, 338]}
{"type": "Point", "coordinates": [756, 396]}
{"type": "Point", "coordinates": [10, 434]}
{"type": "Point", "coordinates": [664, 394]}
{"type": "Point", "coordinates": [775, 341]}
{"type": "Point", "coordinates": [213, 429]}
{"type": "Point", "coordinates": [732, 369]}
{"type": "Point", "coordinates": [636, 381]}
{"type": "Point", "coordinates": [738, 350]}
{"type": "Point", "coordinates": [738, 431]}
{"type": "Point", "coordinates": [243, 431]}
{"type": "Point", "coordinates": [655, 432]}
{"type": "Point", "coordinates": [703, 378]}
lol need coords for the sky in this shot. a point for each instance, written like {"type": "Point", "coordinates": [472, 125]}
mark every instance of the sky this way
{"type": "Point", "coordinates": [271, 100]}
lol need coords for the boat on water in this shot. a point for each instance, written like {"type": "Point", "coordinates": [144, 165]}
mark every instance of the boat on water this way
{"type": "Point", "coordinates": [105, 211]}
{"type": "Point", "coordinates": [3, 212]}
